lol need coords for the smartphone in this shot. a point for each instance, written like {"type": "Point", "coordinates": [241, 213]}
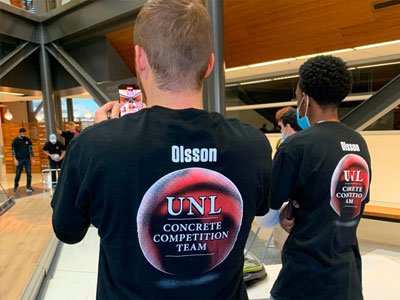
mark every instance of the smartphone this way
{"type": "Point", "coordinates": [289, 212]}
{"type": "Point", "coordinates": [130, 99]}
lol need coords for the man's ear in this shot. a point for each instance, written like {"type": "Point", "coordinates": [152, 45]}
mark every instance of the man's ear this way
{"type": "Point", "coordinates": [141, 62]}
{"type": "Point", "coordinates": [210, 65]}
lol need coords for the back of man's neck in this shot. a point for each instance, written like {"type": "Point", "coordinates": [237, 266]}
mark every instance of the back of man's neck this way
{"type": "Point", "coordinates": [326, 116]}
{"type": "Point", "coordinates": [176, 100]}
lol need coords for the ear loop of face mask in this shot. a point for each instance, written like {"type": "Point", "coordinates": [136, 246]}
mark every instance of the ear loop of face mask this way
{"type": "Point", "coordinates": [304, 97]}
{"type": "Point", "coordinates": [303, 122]}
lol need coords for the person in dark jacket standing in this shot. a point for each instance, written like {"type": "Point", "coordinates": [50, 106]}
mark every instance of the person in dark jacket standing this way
{"type": "Point", "coordinates": [22, 152]}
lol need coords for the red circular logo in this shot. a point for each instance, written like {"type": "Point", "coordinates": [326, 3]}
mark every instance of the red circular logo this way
{"type": "Point", "coordinates": [189, 220]}
{"type": "Point", "coordinates": [349, 186]}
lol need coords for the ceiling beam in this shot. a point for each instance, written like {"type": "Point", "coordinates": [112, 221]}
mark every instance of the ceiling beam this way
{"type": "Point", "coordinates": [78, 73]}
{"type": "Point", "coordinates": [11, 60]}
{"type": "Point", "coordinates": [19, 26]}
{"type": "Point", "coordinates": [375, 107]}
{"type": "Point", "coordinates": [250, 101]}
{"type": "Point", "coordinates": [91, 16]}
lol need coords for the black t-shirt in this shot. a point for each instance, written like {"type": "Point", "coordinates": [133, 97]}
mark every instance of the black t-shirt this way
{"type": "Point", "coordinates": [22, 147]}
{"type": "Point", "coordinates": [56, 148]}
{"type": "Point", "coordinates": [326, 168]}
{"type": "Point", "coordinates": [173, 194]}
{"type": "Point", "coordinates": [68, 136]}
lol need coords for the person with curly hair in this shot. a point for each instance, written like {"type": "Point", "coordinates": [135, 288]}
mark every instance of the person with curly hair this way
{"type": "Point", "coordinates": [325, 171]}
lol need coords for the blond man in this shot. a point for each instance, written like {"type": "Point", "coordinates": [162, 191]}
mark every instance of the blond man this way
{"type": "Point", "coordinates": [172, 189]}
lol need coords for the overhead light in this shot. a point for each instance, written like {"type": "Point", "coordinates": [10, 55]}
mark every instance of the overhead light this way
{"type": "Point", "coordinates": [87, 114]}
{"type": "Point", "coordinates": [255, 81]}
{"type": "Point", "coordinates": [285, 77]}
{"type": "Point", "coordinates": [325, 53]}
{"type": "Point", "coordinates": [262, 80]}
{"type": "Point", "coordinates": [379, 65]}
{"type": "Point", "coordinates": [236, 69]}
{"type": "Point", "coordinates": [231, 84]}
{"type": "Point", "coordinates": [12, 94]}
{"type": "Point", "coordinates": [39, 117]}
{"type": "Point", "coordinates": [272, 62]}
{"type": "Point", "coordinates": [8, 115]}
{"type": "Point", "coordinates": [261, 106]}
{"type": "Point", "coordinates": [293, 102]}
{"type": "Point", "coordinates": [377, 45]}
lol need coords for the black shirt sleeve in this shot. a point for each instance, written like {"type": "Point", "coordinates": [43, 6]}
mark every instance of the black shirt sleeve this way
{"type": "Point", "coordinates": [284, 175]}
{"type": "Point", "coordinates": [66, 134]}
{"type": "Point", "coordinates": [30, 148]}
{"type": "Point", "coordinates": [46, 147]}
{"type": "Point", "coordinates": [70, 203]}
{"type": "Point", "coordinates": [62, 146]}
{"type": "Point", "coordinates": [13, 145]}
{"type": "Point", "coordinates": [265, 174]}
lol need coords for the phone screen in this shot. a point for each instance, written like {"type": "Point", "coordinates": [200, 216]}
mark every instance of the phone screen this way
{"type": "Point", "coordinates": [130, 99]}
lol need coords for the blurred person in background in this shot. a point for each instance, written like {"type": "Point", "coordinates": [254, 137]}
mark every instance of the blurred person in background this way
{"type": "Point", "coordinates": [286, 120]}
{"type": "Point", "coordinates": [69, 134]}
{"type": "Point", "coordinates": [23, 156]}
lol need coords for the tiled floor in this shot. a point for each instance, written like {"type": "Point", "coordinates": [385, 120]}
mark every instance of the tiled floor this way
{"type": "Point", "coordinates": [75, 275]}
{"type": "Point", "coordinates": [76, 271]}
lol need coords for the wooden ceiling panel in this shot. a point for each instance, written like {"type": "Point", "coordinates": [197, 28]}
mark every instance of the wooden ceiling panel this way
{"type": "Point", "coordinates": [260, 30]}
{"type": "Point", "coordinates": [122, 41]}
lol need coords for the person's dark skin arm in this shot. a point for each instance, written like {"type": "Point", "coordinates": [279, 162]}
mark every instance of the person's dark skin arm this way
{"type": "Point", "coordinates": [62, 154]}
{"type": "Point", "coordinates": [287, 222]}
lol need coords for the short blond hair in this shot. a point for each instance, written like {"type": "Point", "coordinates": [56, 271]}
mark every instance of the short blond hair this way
{"type": "Point", "coordinates": [176, 37]}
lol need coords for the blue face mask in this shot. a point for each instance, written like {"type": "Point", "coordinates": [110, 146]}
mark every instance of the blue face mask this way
{"type": "Point", "coordinates": [303, 122]}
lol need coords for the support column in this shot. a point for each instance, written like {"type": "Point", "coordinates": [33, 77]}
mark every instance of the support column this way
{"type": "Point", "coordinates": [216, 81]}
{"type": "Point", "coordinates": [58, 111]}
{"type": "Point", "coordinates": [70, 110]}
{"type": "Point", "coordinates": [40, 6]}
{"type": "Point", "coordinates": [31, 112]}
{"type": "Point", "coordinates": [47, 87]}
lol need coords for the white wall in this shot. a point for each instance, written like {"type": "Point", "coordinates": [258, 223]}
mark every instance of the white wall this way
{"type": "Point", "coordinates": [384, 148]}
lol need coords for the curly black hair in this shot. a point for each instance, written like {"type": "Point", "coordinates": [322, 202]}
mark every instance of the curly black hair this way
{"type": "Point", "coordinates": [326, 79]}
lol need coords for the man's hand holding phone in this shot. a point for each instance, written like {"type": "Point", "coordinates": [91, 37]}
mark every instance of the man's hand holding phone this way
{"type": "Point", "coordinates": [110, 110]}
{"type": "Point", "coordinates": [130, 101]}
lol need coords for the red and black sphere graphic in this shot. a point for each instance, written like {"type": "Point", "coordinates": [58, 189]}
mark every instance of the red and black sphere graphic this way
{"type": "Point", "coordinates": [189, 220]}
{"type": "Point", "coordinates": [349, 186]}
